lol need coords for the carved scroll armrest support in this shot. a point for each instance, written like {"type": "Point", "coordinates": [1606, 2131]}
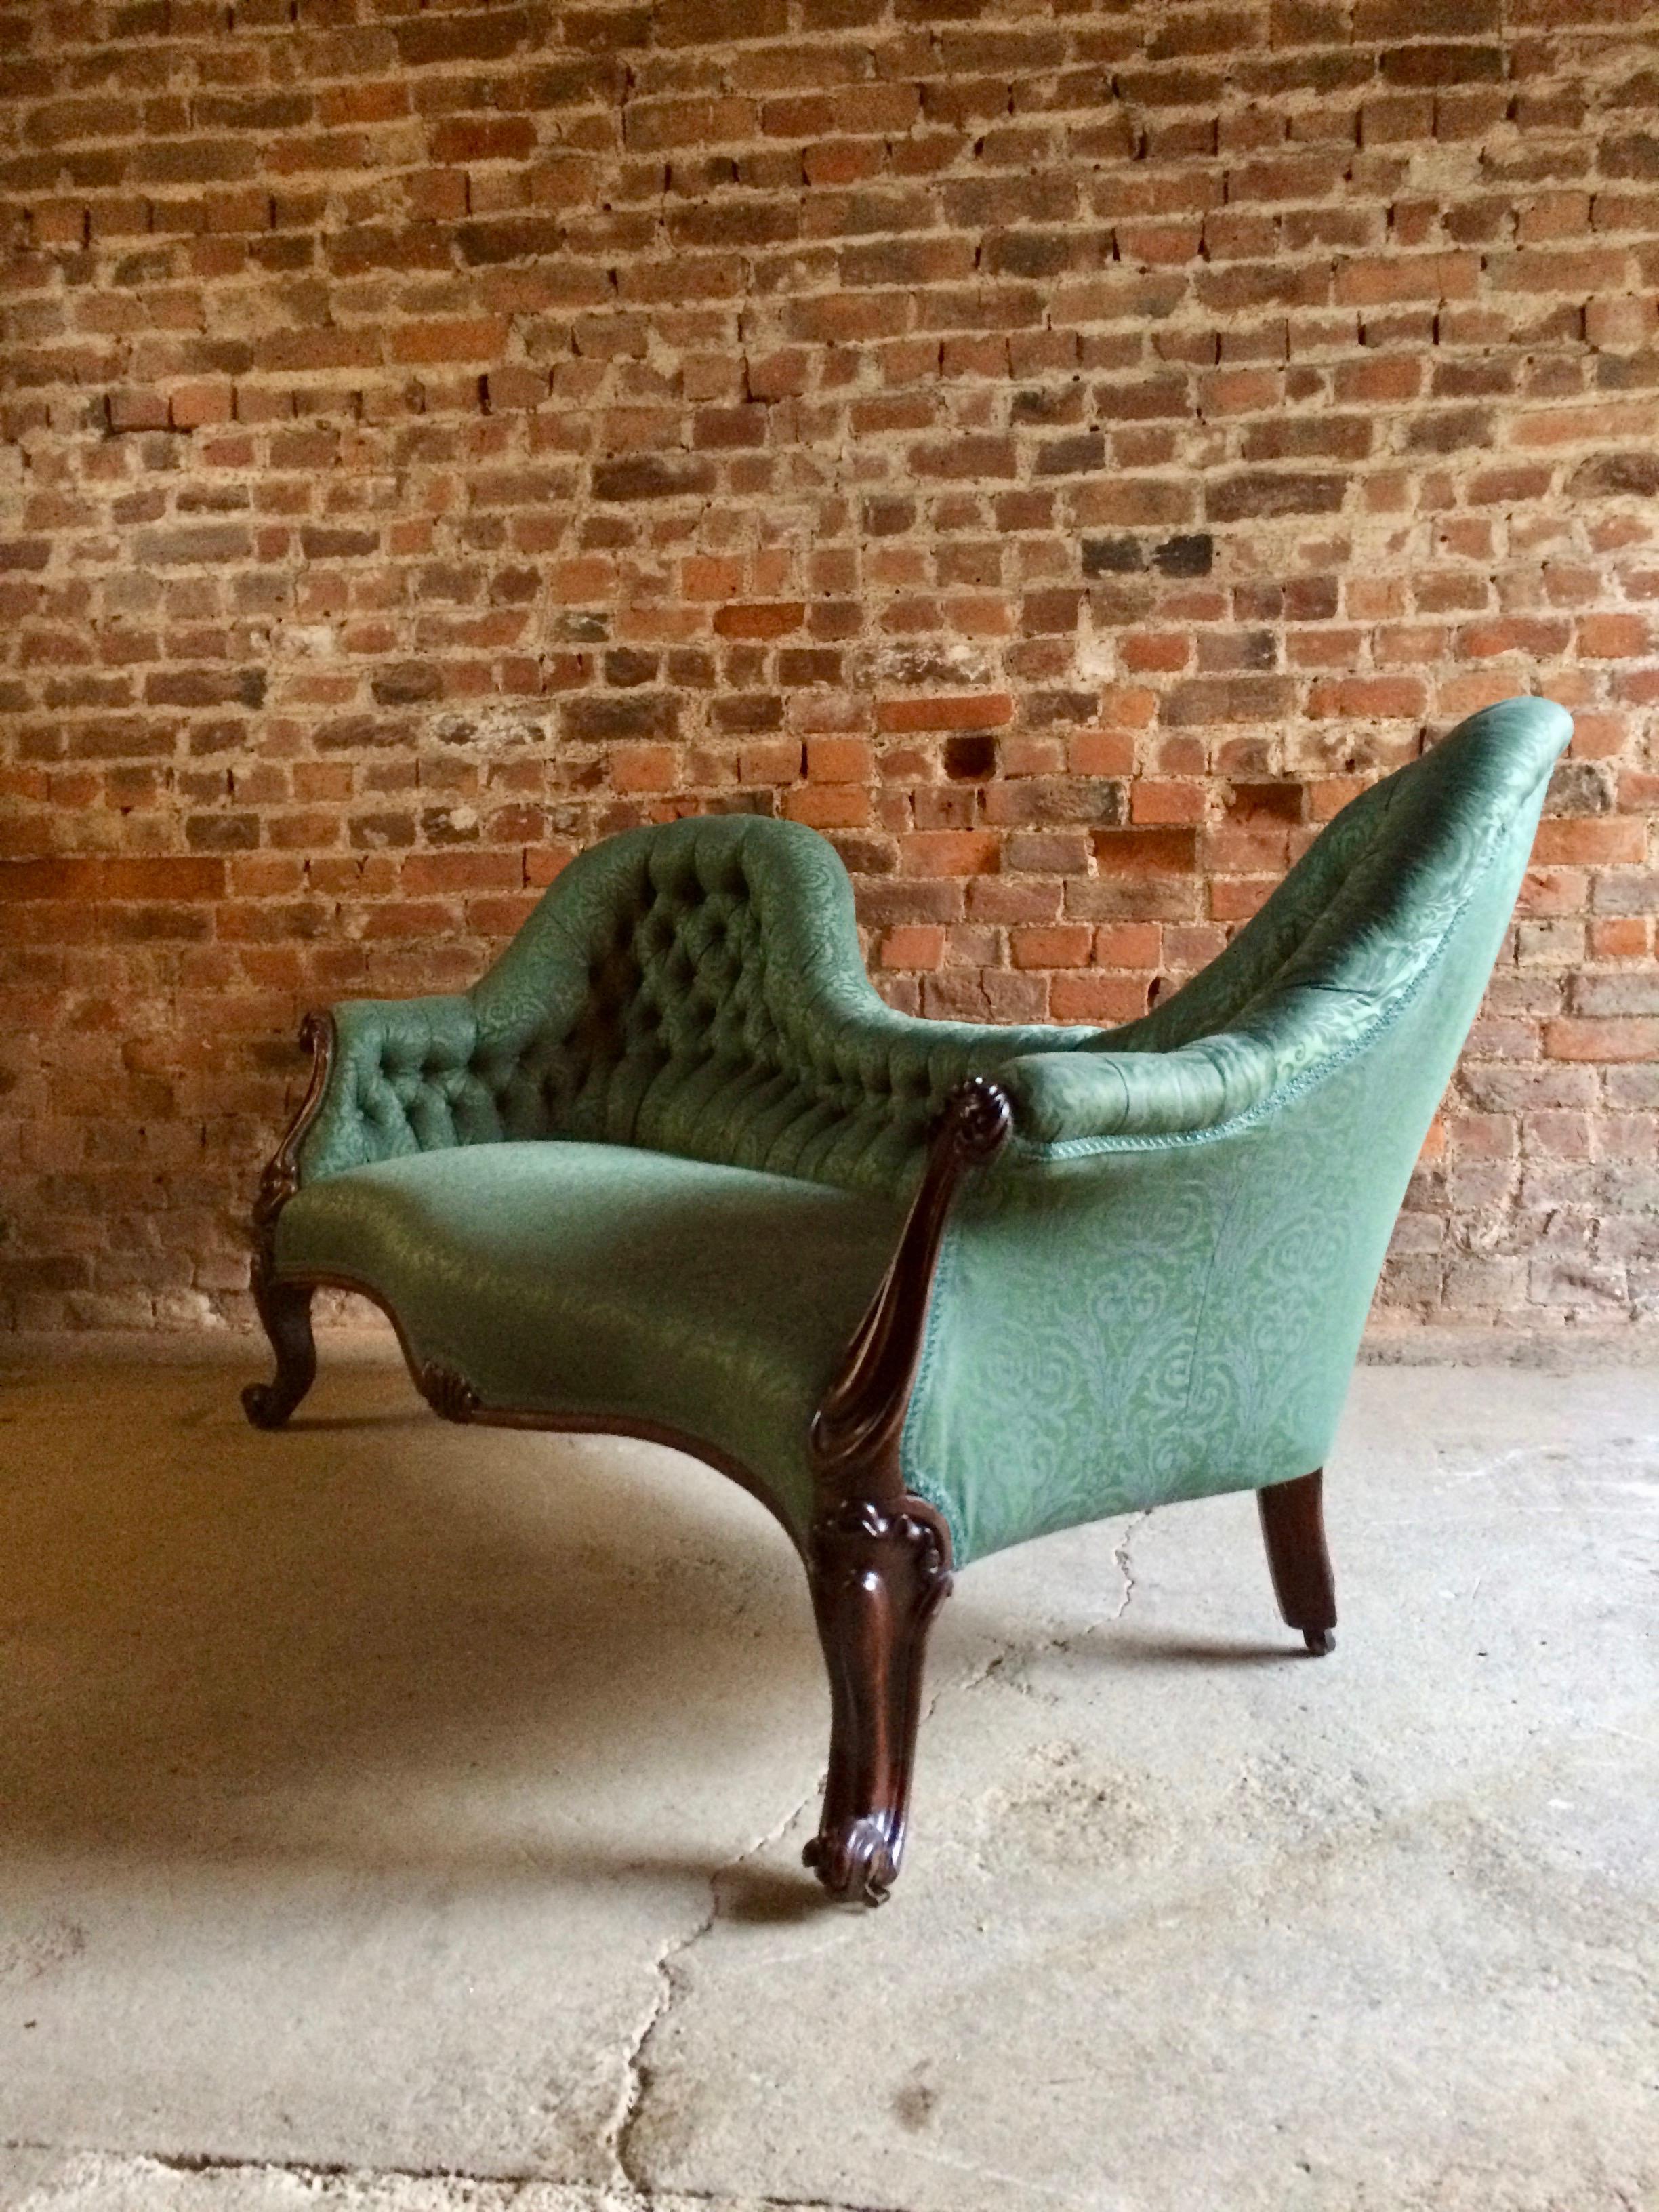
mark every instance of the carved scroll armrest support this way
{"type": "Point", "coordinates": [879, 1559]}
{"type": "Point", "coordinates": [855, 1432]}
{"type": "Point", "coordinates": [285, 1308]}
{"type": "Point", "coordinates": [281, 1178]}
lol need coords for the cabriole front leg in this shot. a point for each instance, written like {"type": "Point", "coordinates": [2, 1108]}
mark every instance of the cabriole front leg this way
{"type": "Point", "coordinates": [285, 1310]}
{"type": "Point", "coordinates": [878, 1580]}
{"type": "Point", "coordinates": [879, 1559]}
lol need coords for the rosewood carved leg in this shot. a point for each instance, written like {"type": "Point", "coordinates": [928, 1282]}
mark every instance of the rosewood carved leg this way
{"type": "Point", "coordinates": [1293, 1526]}
{"type": "Point", "coordinates": [879, 1559]}
{"type": "Point", "coordinates": [285, 1310]}
{"type": "Point", "coordinates": [878, 1580]}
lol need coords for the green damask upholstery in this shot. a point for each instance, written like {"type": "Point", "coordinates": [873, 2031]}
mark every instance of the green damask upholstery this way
{"type": "Point", "coordinates": [696, 989]}
{"type": "Point", "coordinates": [653, 1292]}
{"type": "Point", "coordinates": [652, 1166]}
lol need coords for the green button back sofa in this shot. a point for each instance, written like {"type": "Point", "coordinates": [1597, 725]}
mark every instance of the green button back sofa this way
{"type": "Point", "coordinates": [673, 1169]}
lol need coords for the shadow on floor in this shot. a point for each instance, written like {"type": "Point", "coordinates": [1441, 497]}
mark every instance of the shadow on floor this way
{"type": "Point", "coordinates": [219, 1644]}
{"type": "Point", "coordinates": [1133, 1647]}
{"type": "Point", "coordinates": [375, 1640]}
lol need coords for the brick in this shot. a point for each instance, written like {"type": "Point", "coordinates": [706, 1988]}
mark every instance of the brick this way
{"type": "Point", "coordinates": [512, 387]}
{"type": "Point", "coordinates": [462, 139]}
{"type": "Point", "coordinates": [1603, 843]}
{"type": "Point", "coordinates": [976, 458]}
{"type": "Point", "coordinates": [950, 853]}
{"type": "Point", "coordinates": [1227, 699]}
{"type": "Point", "coordinates": [512, 426]}
{"type": "Point", "coordinates": [982, 712]}
{"type": "Point", "coordinates": [163, 877]}
{"type": "Point", "coordinates": [1146, 852]}
{"type": "Point", "coordinates": [1619, 937]}
{"type": "Point", "coordinates": [838, 760]}
{"type": "Point", "coordinates": [1406, 277]}
{"type": "Point", "coordinates": [406, 683]}
{"type": "Point", "coordinates": [206, 687]}
{"type": "Point", "coordinates": [755, 620]}
{"type": "Point", "coordinates": [1360, 698]}
{"type": "Point", "coordinates": [1480, 640]}
{"type": "Point", "coordinates": [1610, 1039]}
{"type": "Point", "coordinates": [913, 945]}
{"type": "Point", "coordinates": [607, 716]}
{"type": "Point", "coordinates": [504, 239]}
{"type": "Point", "coordinates": [648, 475]}
{"type": "Point", "coordinates": [1127, 945]}
{"type": "Point", "coordinates": [1451, 64]}
{"type": "Point", "coordinates": [687, 22]}
{"type": "Point", "coordinates": [1068, 946]}
{"type": "Point", "coordinates": [483, 37]}
{"type": "Point", "coordinates": [1612, 637]}
{"type": "Point", "coordinates": [1620, 325]}
{"type": "Point", "coordinates": [644, 767]}
{"type": "Point", "coordinates": [712, 576]}
{"type": "Point", "coordinates": [455, 337]}
{"type": "Point", "coordinates": [460, 870]}
{"type": "Point", "coordinates": [193, 406]}
{"type": "Point", "coordinates": [1615, 994]}
{"type": "Point", "coordinates": [137, 410]}
{"type": "Point", "coordinates": [1258, 493]}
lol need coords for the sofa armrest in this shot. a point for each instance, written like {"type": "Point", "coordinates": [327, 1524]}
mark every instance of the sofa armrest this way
{"type": "Point", "coordinates": [397, 1077]}
{"type": "Point", "coordinates": [1060, 1097]}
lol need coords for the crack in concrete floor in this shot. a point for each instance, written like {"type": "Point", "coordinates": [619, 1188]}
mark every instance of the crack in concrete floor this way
{"type": "Point", "coordinates": [636, 2063]}
{"type": "Point", "coordinates": [437, 2188]}
{"type": "Point", "coordinates": [1255, 1815]}
{"type": "Point", "coordinates": [670, 1965]}
{"type": "Point", "coordinates": [1061, 1639]}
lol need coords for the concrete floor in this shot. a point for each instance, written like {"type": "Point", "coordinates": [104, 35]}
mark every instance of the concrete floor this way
{"type": "Point", "coordinates": [397, 1817]}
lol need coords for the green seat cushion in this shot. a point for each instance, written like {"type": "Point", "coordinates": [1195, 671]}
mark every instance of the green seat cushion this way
{"type": "Point", "coordinates": [599, 1279]}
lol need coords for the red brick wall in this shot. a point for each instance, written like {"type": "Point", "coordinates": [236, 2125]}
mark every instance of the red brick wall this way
{"type": "Point", "coordinates": [1060, 450]}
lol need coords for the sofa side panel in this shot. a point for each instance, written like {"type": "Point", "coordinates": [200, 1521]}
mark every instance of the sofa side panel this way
{"type": "Point", "coordinates": [1129, 1325]}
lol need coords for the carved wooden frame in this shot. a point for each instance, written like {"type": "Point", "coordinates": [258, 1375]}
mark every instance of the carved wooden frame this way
{"type": "Point", "coordinates": [877, 1559]}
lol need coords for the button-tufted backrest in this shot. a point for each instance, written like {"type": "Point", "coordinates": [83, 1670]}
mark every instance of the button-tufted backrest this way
{"type": "Point", "coordinates": [720, 1009]}
{"type": "Point", "coordinates": [695, 987]}
{"type": "Point", "coordinates": [677, 977]}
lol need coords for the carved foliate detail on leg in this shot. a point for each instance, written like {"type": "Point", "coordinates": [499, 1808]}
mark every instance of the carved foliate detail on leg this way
{"type": "Point", "coordinates": [879, 1557]}
{"type": "Point", "coordinates": [447, 1390]}
{"type": "Point", "coordinates": [878, 1579]}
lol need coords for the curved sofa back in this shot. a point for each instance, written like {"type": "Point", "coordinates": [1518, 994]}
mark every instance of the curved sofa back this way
{"type": "Point", "coordinates": [1347, 936]}
{"type": "Point", "coordinates": [697, 987]}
